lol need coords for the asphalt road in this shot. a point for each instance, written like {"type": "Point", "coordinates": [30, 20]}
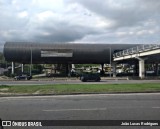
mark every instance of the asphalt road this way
{"type": "Point", "coordinates": [103, 81]}
{"type": "Point", "coordinates": [142, 106]}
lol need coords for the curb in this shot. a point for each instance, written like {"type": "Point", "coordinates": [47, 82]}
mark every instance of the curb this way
{"type": "Point", "coordinates": [18, 95]}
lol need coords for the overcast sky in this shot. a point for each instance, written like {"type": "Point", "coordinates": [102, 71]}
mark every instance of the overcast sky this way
{"type": "Point", "coordinates": [80, 21]}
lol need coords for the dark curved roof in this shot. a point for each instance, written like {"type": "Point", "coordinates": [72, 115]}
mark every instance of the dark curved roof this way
{"type": "Point", "coordinates": [60, 53]}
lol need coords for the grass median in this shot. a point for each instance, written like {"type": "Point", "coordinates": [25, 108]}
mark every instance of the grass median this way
{"type": "Point", "coordinates": [57, 89]}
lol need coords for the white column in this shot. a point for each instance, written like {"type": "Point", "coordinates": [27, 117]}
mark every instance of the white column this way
{"type": "Point", "coordinates": [114, 68]}
{"type": "Point", "coordinates": [69, 70]}
{"type": "Point", "coordinates": [13, 67]}
{"type": "Point", "coordinates": [22, 68]}
{"type": "Point", "coordinates": [157, 69]}
{"type": "Point", "coordinates": [141, 69]}
{"type": "Point", "coordinates": [73, 66]}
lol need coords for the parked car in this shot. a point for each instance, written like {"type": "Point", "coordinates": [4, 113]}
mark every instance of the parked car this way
{"type": "Point", "coordinates": [23, 77]}
{"type": "Point", "coordinates": [90, 77]}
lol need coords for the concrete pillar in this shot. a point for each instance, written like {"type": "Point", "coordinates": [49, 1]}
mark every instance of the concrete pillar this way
{"type": "Point", "coordinates": [69, 70]}
{"type": "Point", "coordinates": [54, 67]}
{"type": "Point", "coordinates": [102, 71]}
{"type": "Point", "coordinates": [102, 66]}
{"type": "Point", "coordinates": [66, 69]}
{"type": "Point", "coordinates": [13, 68]}
{"type": "Point", "coordinates": [73, 66]}
{"type": "Point", "coordinates": [136, 68]}
{"type": "Point", "coordinates": [114, 68]}
{"type": "Point", "coordinates": [157, 69]}
{"type": "Point", "coordinates": [22, 68]}
{"type": "Point", "coordinates": [141, 69]}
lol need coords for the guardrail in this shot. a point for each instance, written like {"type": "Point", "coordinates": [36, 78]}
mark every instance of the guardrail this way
{"type": "Point", "coordinates": [136, 50]}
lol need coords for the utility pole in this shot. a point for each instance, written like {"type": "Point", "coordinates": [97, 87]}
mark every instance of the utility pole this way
{"type": "Point", "coordinates": [110, 61]}
{"type": "Point", "coordinates": [31, 62]}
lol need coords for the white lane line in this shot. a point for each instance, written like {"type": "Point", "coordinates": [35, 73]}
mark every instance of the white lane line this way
{"type": "Point", "coordinates": [156, 107]}
{"type": "Point", "coordinates": [62, 110]}
{"type": "Point", "coordinates": [1, 101]}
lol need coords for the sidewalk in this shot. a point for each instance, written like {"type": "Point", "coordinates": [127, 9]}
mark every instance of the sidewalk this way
{"type": "Point", "coordinates": [3, 78]}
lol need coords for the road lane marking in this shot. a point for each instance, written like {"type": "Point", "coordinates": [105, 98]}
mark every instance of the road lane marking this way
{"type": "Point", "coordinates": [156, 107]}
{"type": "Point", "coordinates": [62, 110]}
{"type": "Point", "coordinates": [1, 101]}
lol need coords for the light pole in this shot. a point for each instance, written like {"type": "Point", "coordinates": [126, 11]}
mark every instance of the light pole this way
{"type": "Point", "coordinates": [110, 60]}
{"type": "Point", "coordinates": [31, 62]}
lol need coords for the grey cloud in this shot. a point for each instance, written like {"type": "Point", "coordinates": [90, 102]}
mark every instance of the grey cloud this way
{"type": "Point", "coordinates": [124, 12]}
{"type": "Point", "coordinates": [133, 21]}
{"type": "Point", "coordinates": [150, 5]}
{"type": "Point", "coordinates": [62, 32]}
{"type": "Point", "coordinates": [50, 29]}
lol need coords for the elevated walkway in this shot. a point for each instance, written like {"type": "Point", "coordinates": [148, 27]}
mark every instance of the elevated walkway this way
{"type": "Point", "coordinates": [139, 51]}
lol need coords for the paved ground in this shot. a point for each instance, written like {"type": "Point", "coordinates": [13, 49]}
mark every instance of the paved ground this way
{"type": "Point", "coordinates": [103, 81]}
{"type": "Point", "coordinates": [142, 106]}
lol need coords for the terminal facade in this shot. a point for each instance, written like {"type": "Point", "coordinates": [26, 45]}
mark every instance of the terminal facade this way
{"type": "Point", "coordinates": [69, 53]}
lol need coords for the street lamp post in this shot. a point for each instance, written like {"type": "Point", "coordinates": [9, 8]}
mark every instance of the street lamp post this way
{"type": "Point", "coordinates": [110, 60]}
{"type": "Point", "coordinates": [31, 63]}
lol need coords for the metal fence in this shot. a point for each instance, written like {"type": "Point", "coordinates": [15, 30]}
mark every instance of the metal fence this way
{"type": "Point", "coordinates": [136, 50]}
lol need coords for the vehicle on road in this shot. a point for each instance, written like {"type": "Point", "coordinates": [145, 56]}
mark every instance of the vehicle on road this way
{"type": "Point", "coordinates": [90, 77]}
{"type": "Point", "coordinates": [22, 77]}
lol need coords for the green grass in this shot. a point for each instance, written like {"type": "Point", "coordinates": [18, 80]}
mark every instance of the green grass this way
{"type": "Point", "coordinates": [79, 88]}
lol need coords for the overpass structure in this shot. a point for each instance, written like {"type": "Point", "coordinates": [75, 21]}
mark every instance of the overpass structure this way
{"type": "Point", "coordinates": [140, 52]}
{"type": "Point", "coordinates": [60, 53]}
{"type": "Point", "coordinates": [70, 53]}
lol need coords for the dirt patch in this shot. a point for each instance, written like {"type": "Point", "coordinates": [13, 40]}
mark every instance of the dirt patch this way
{"type": "Point", "coordinates": [4, 89]}
{"type": "Point", "coordinates": [37, 92]}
